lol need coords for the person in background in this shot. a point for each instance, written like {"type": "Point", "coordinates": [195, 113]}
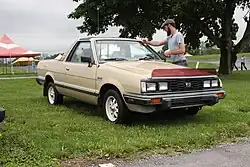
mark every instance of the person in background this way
{"type": "Point", "coordinates": [243, 62]}
{"type": "Point", "coordinates": [234, 66]}
{"type": "Point", "coordinates": [175, 41]}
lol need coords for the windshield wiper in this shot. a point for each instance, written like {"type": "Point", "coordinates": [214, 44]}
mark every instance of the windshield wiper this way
{"type": "Point", "coordinates": [115, 59]}
{"type": "Point", "coordinates": [148, 57]}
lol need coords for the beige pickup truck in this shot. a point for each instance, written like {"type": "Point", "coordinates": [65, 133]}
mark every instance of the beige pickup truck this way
{"type": "Point", "coordinates": [123, 75]}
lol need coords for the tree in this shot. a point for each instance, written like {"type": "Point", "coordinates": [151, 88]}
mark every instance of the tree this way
{"type": "Point", "coordinates": [246, 48]}
{"type": "Point", "coordinates": [53, 56]}
{"type": "Point", "coordinates": [195, 18]}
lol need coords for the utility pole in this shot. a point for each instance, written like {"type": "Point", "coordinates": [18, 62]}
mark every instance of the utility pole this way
{"type": "Point", "coordinates": [98, 28]}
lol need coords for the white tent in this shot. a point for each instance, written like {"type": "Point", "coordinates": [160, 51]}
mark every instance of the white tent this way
{"type": "Point", "coordinates": [24, 61]}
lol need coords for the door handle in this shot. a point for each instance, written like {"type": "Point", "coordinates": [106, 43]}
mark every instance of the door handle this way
{"type": "Point", "coordinates": [67, 68]}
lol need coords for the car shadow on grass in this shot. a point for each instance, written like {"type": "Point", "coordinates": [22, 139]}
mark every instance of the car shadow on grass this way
{"type": "Point", "coordinates": [81, 107]}
{"type": "Point", "coordinates": [156, 118]}
{"type": "Point", "coordinates": [175, 117]}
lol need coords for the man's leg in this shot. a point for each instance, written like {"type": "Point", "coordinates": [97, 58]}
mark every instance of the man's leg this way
{"type": "Point", "coordinates": [241, 66]}
{"type": "Point", "coordinates": [245, 66]}
{"type": "Point", "coordinates": [234, 66]}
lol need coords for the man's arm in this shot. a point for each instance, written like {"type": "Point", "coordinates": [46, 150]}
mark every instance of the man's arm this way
{"type": "Point", "coordinates": [157, 43]}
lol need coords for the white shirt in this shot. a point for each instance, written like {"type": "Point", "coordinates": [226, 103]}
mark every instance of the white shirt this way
{"type": "Point", "coordinates": [243, 59]}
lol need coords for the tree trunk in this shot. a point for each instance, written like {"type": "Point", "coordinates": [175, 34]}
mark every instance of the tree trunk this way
{"type": "Point", "coordinates": [234, 58]}
{"type": "Point", "coordinates": [226, 40]}
{"type": "Point", "coordinates": [225, 58]}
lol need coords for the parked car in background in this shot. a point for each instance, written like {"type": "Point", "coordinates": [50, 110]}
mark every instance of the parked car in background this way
{"type": "Point", "coordinates": [124, 75]}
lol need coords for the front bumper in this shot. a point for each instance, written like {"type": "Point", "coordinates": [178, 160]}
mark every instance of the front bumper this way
{"type": "Point", "coordinates": [173, 100]}
{"type": "Point", "coordinates": [2, 114]}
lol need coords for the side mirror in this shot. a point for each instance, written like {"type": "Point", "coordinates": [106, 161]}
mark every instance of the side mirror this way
{"type": "Point", "coordinates": [86, 60]}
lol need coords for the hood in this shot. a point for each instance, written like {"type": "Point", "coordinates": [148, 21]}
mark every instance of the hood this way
{"type": "Point", "coordinates": [157, 69]}
{"type": "Point", "coordinates": [142, 67]}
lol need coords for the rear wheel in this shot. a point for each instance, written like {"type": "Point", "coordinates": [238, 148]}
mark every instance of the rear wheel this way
{"type": "Point", "coordinates": [54, 97]}
{"type": "Point", "coordinates": [113, 106]}
{"type": "Point", "coordinates": [192, 110]}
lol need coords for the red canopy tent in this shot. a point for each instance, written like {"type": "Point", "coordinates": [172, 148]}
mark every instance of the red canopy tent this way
{"type": "Point", "coordinates": [9, 49]}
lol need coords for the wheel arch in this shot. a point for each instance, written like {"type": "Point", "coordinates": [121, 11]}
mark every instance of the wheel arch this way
{"type": "Point", "coordinates": [104, 88]}
{"type": "Point", "coordinates": [48, 79]}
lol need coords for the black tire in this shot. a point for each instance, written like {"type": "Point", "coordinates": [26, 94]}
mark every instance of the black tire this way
{"type": "Point", "coordinates": [57, 98]}
{"type": "Point", "coordinates": [192, 111]}
{"type": "Point", "coordinates": [123, 112]}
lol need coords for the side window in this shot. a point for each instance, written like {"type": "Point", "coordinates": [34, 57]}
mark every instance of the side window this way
{"type": "Point", "coordinates": [82, 53]}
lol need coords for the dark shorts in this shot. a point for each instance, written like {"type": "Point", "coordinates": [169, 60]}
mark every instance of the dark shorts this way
{"type": "Point", "coordinates": [181, 63]}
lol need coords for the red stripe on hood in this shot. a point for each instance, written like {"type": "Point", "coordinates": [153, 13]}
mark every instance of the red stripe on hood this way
{"type": "Point", "coordinates": [182, 72]}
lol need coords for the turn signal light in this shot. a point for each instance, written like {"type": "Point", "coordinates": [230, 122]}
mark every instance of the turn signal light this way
{"type": "Point", "coordinates": [156, 101]}
{"type": "Point", "coordinates": [220, 94]}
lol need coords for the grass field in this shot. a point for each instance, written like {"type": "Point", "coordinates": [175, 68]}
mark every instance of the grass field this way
{"type": "Point", "coordinates": [7, 69]}
{"type": "Point", "coordinates": [213, 57]}
{"type": "Point", "coordinates": [18, 75]}
{"type": "Point", "coordinates": [203, 65]}
{"type": "Point", "coordinates": [36, 134]}
{"type": "Point", "coordinates": [17, 71]}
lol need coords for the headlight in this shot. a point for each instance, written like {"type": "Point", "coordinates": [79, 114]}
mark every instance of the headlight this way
{"type": "Point", "coordinates": [215, 83]}
{"type": "Point", "coordinates": [206, 84]}
{"type": "Point", "coordinates": [151, 86]}
{"type": "Point", "coordinates": [212, 83]}
{"type": "Point", "coordinates": [163, 86]}
{"type": "Point", "coordinates": [148, 86]}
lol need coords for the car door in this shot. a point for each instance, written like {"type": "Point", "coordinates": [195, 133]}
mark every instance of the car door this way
{"type": "Point", "coordinates": [80, 74]}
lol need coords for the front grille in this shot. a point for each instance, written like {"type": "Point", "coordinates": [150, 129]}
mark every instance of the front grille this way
{"type": "Point", "coordinates": [185, 84]}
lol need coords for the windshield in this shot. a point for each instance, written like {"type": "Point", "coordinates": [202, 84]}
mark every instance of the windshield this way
{"type": "Point", "coordinates": [122, 50]}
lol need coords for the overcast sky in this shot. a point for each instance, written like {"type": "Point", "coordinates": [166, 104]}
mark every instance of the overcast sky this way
{"type": "Point", "coordinates": [42, 25]}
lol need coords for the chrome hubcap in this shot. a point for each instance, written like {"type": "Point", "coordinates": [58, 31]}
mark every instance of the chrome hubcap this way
{"type": "Point", "coordinates": [51, 95]}
{"type": "Point", "coordinates": [112, 108]}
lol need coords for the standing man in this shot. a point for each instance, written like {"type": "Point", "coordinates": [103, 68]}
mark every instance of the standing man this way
{"type": "Point", "coordinates": [175, 41]}
{"type": "Point", "coordinates": [243, 62]}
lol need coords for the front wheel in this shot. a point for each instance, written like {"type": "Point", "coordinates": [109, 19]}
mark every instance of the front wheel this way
{"type": "Point", "coordinates": [114, 107]}
{"type": "Point", "coordinates": [54, 97]}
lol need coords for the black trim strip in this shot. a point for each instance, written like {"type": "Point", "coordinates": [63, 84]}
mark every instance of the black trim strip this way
{"type": "Point", "coordinates": [132, 100]}
{"type": "Point", "coordinates": [78, 90]}
{"type": "Point", "coordinates": [2, 114]}
{"type": "Point", "coordinates": [40, 81]}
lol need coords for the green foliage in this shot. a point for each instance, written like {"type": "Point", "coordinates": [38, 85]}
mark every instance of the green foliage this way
{"type": "Point", "coordinates": [246, 48]}
{"type": "Point", "coordinates": [195, 18]}
{"type": "Point", "coordinates": [165, 47]}
{"type": "Point", "coordinates": [52, 56]}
